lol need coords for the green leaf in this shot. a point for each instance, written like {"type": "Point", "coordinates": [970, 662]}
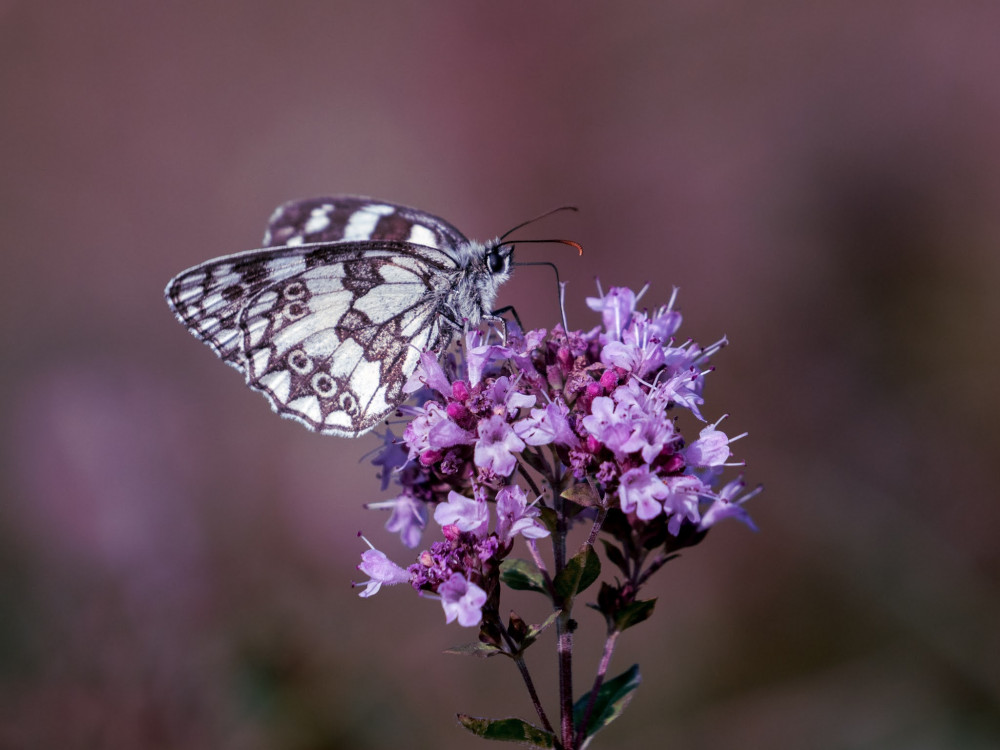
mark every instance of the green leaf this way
{"type": "Point", "coordinates": [581, 570]}
{"type": "Point", "coordinates": [583, 494]}
{"type": "Point", "coordinates": [508, 730]}
{"type": "Point", "coordinates": [535, 630]}
{"type": "Point", "coordinates": [549, 518]}
{"type": "Point", "coordinates": [591, 569]}
{"type": "Point", "coordinates": [634, 613]}
{"type": "Point", "coordinates": [482, 650]}
{"type": "Point", "coordinates": [522, 575]}
{"type": "Point", "coordinates": [612, 697]}
{"type": "Point", "coordinates": [615, 556]}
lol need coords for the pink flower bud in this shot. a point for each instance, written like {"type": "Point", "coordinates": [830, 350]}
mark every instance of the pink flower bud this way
{"type": "Point", "coordinates": [457, 411]}
{"type": "Point", "coordinates": [459, 390]}
{"type": "Point", "coordinates": [609, 379]}
{"type": "Point", "coordinates": [430, 457]}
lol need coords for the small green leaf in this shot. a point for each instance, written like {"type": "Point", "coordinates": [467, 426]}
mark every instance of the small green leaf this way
{"type": "Point", "coordinates": [517, 628]}
{"type": "Point", "coordinates": [522, 575]}
{"type": "Point", "coordinates": [583, 494]}
{"type": "Point", "coordinates": [508, 730]}
{"type": "Point", "coordinates": [482, 650]}
{"type": "Point", "coordinates": [612, 697]}
{"type": "Point", "coordinates": [549, 518]}
{"type": "Point", "coordinates": [581, 570]}
{"type": "Point", "coordinates": [634, 613]}
{"type": "Point", "coordinates": [591, 569]}
{"type": "Point", "coordinates": [615, 556]}
{"type": "Point", "coordinates": [535, 630]}
{"type": "Point", "coordinates": [607, 603]}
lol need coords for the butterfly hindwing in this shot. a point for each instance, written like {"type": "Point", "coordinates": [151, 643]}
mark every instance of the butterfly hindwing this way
{"type": "Point", "coordinates": [349, 218]}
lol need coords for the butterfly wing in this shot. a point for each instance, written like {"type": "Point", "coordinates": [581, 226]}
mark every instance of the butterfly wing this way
{"type": "Point", "coordinates": [209, 298]}
{"type": "Point", "coordinates": [329, 332]}
{"type": "Point", "coordinates": [348, 218]}
{"type": "Point", "coordinates": [333, 346]}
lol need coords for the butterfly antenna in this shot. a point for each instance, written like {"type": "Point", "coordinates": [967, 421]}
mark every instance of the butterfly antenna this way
{"type": "Point", "coordinates": [579, 248]}
{"type": "Point", "coordinates": [537, 218]}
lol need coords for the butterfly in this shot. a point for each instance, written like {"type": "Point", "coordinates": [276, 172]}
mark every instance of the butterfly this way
{"type": "Point", "coordinates": [329, 319]}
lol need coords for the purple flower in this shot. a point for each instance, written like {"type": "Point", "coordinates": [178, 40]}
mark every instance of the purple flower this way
{"type": "Point", "coordinates": [666, 320]}
{"type": "Point", "coordinates": [505, 396]}
{"type": "Point", "coordinates": [432, 430]}
{"type": "Point", "coordinates": [381, 570]}
{"type": "Point", "coordinates": [408, 518]}
{"type": "Point", "coordinates": [616, 308]}
{"type": "Point", "coordinates": [392, 455]}
{"type": "Point", "coordinates": [711, 448]}
{"type": "Point", "coordinates": [479, 356]}
{"type": "Point", "coordinates": [652, 430]}
{"type": "Point", "coordinates": [609, 423]}
{"type": "Point", "coordinates": [651, 434]}
{"type": "Point", "coordinates": [464, 514]}
{"type": "Point", "coordinates": [463, 600]}
{"type": "Point", "coordinates": [428, 373]}
{"type": "Point", "coordinates": [640, 492]}
{"type": "Point", "coordinates": [639, 351]}
{"type": "Point", "coordinates": [684, 389]}
{"type": "Point", "coordinates": [681, 500]}
{"type": "Point", "coordinates": [515, 516]}
{"type": "Point", "coordinates": [496, 445]}
{"type": "Point", "coordinates": [728, 505]}
{"type": "Point", "coordinates": [548, 425]}
{"type": "Point", "coordinates": [604, 402]}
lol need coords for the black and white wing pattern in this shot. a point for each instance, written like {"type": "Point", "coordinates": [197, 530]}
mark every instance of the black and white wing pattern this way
{"type": "Point", "coordinates": [350, 218]}
{"type": "Point", "coordinates": [329, 320]}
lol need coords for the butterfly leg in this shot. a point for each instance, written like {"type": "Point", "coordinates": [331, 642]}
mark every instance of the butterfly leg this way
{"type": "Point", "coordinates": [509, 308]}
{"type": "Point", "coordinates": [497, 317]}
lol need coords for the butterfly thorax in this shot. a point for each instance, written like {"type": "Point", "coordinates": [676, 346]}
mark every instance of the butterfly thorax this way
{"type": "Point", "coordinates": [482, 268]}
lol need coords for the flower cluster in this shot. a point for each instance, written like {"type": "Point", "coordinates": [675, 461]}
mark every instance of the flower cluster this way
{"type": "Point", "coordinates": [587, 422]}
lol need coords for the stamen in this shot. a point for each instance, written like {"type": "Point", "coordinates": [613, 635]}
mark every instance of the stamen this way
{"type": "Point", "coordinates": [673, 297]}
{"type": "Point", "coordinates": [642, 292]}
{"type": "Point", "coordinates": [562, 306]}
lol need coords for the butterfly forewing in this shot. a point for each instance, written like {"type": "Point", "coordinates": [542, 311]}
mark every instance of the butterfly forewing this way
{"type": "Point", "coordinates": [209, 298]}
{"type": "Point", "coordinates": [333, 345]}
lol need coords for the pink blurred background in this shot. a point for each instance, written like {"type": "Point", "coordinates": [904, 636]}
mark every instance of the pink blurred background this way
{"type": "Point", "coordinates": [823, 185]}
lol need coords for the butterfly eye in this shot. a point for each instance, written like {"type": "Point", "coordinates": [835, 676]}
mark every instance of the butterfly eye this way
{"type": "Point", "coordinates": [495, 261]}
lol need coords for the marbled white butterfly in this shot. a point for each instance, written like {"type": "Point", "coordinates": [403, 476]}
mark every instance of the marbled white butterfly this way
{"type": "Point", "coordinates": [328, 319]}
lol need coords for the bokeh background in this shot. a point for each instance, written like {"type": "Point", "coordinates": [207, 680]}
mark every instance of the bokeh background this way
{"type": "Point", "coordinates": [821, 180]}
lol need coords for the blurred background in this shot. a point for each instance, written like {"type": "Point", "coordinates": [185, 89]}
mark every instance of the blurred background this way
{"type": "Point", "coordinates": [822, 182]}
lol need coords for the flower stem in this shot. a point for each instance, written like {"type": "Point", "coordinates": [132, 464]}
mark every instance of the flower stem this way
{"type": "Point", "coordinates": [602, 513]}
{"type": "Point", "coordinates": [540, 563]}
{"type": "Point", "coordinates": [602, 670]}
{"type": "Point", "coordinates": [564, 631]}
{"type": "Point", "coordinates": [527, 478]}
{"type": "Point", "coordinates": [565, 648]}
{"type": "Point", "coordinates": [528, 683]}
